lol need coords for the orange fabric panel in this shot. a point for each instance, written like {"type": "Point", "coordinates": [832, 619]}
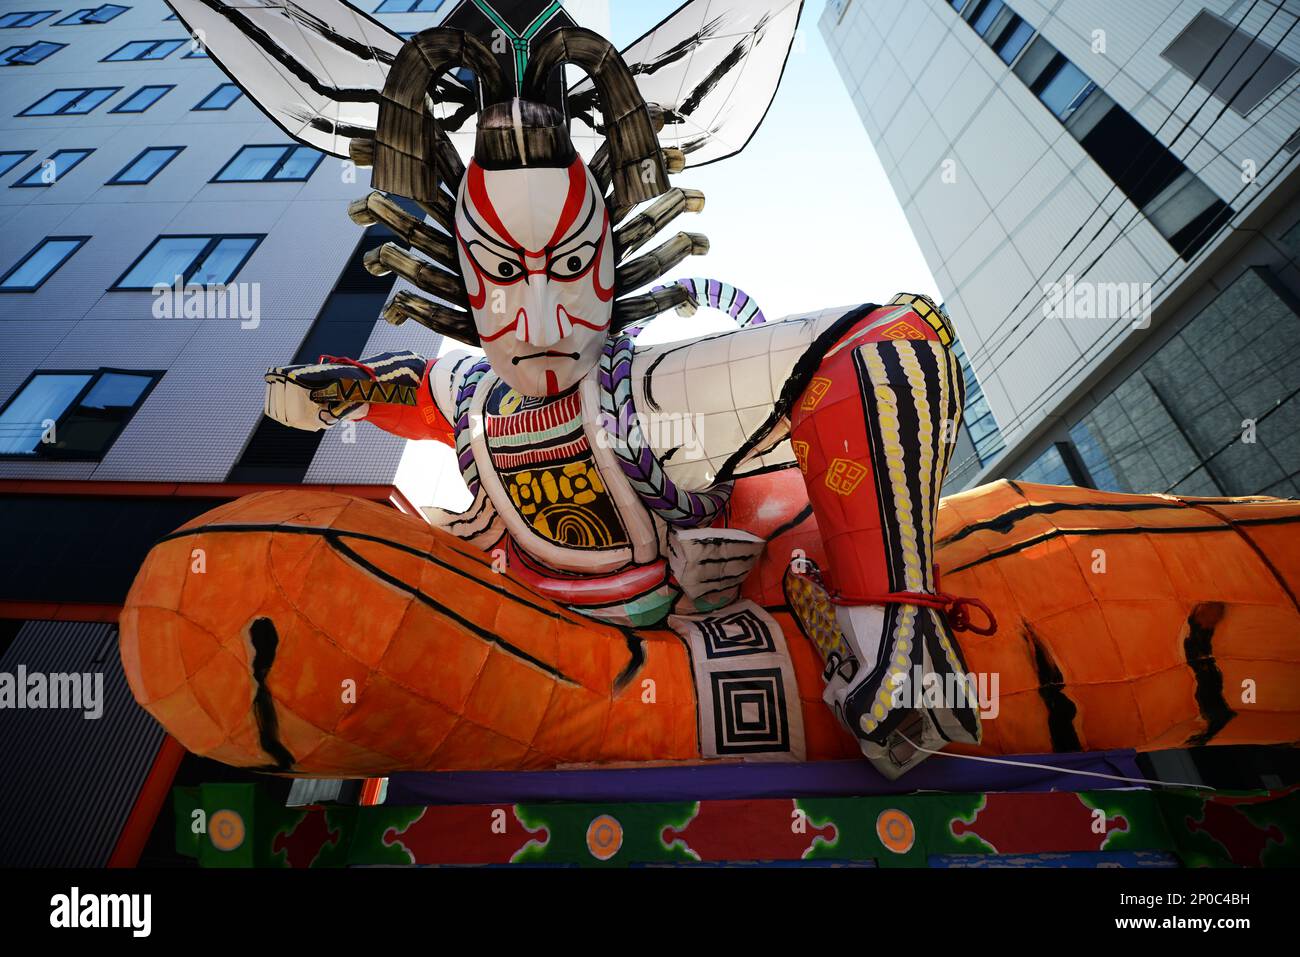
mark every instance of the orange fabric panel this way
{"type": "Point", "coordinates": [457, 667]}
{"type": "Point", "coordinates": [479, 673]}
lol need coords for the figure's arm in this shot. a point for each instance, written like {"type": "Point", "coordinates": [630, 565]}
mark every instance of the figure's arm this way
{"type": "Point", "coordinates": [719, 407]}
{"type": "Point", "coordinates": [401, 393]}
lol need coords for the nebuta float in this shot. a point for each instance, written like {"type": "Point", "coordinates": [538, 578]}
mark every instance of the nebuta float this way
{"type": "Point", "coordinates": [762, 585]}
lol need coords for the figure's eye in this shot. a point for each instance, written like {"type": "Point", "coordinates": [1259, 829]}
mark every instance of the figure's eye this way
{"type": "Point", "coordinates": [493, 265]}
{"type": "Point", "coordinates": [572, 262]}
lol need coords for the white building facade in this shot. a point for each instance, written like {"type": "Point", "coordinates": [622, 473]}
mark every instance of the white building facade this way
{"type": "Point", "coordinates": [1105, 192]}
{"type": "Point", "coordinates": [128, 158]}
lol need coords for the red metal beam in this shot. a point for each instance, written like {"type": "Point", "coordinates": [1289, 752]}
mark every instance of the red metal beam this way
{"type": "Point", "coordinates": [148, 803]}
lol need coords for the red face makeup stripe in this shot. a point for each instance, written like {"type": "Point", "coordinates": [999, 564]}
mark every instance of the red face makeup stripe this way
{"type": "Point", "coordinates": [478, 195]}
{"type": "Point", "coordinates": [572, 203]}
{"type": "Point", "coordinates": [510, 328]}
{"type": "Point", "coordinates": [552, 383]}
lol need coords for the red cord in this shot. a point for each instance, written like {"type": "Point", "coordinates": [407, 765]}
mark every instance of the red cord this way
{"type": "Point", "coordinates": [956, 609]}
{"type": "Point", "coordinates": [344, 360]}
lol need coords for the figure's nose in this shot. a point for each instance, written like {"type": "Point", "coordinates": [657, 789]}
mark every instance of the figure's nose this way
{"type": "Point", "coordinates": [541, 330]}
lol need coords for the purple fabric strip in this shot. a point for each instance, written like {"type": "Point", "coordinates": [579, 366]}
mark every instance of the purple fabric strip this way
{"type": "Point", "coordinates": [718, 782]}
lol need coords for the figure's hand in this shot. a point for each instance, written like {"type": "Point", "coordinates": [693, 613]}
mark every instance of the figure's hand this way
{"type": "Point", "coordinates": [320, 394]}
{"type": "Point", "coordinates": [303, 400]}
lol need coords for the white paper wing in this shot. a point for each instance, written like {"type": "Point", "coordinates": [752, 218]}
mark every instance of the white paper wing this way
{"type": "Point", "coordinates": [713, 66]}
{"type": "Point", "coordinates": [315, 67]}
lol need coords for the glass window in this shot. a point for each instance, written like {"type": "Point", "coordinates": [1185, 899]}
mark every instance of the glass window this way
{"type": "Point", "coordinates": [146, 166]}
{"type": "Point", "coordinates": [265, 164]}
{"type": "Point", "coordinates": [11, 158]}
{"type": "Point", "coordinates": [298, 165]}
{"type": "Point", "coordinates": [142, 99]}
{"type": "Point", "coordinates": [223, 260]}
{"type": "Point", "coordinates": [89, 427]}
{"type": "Point", "coordinates": [29, 54]}
{"type": "Point", "coordinates": [220, 98]}
{"type": "Point", "coordinates": [70, 102]}
{"type": "Point", "coordinates": [72, 414]}
{"type": "Point", "coordinates": [1234, 65]}
{"type": "Point", "coordinates": [408, 6]}
{"type": "Point", "coordinates": [1066, 90]}
{"type": "Point", "coordinates": [1215, 411]}
{"type": "Point", "coordinates": [199, 53]}
{"type": "Point", "coordinates": [54, 168]}
{"type": "Point", "coordinates": [1290, 241]}
{"type": "Point", "coordinates": [1013, 40]}
{"type": "Point", "coordinates": [41, 263]}
{"type": "Point", "coordinates": [1048, 469]}
{"type": "Point", "coordinates": [36, 407]}
{"type": "Point", "coordinates": [100, 14]}
{"type": "Point", "coordinates": [144, 50]}
{"type": "Point", "coordinates": [985, 16]}
{"type": "Point", "coordinates": [977, 417]}
{"type": "Point", "coordinates": [29, 19]}
{"type": "Point", "coordinates": [192, 259]}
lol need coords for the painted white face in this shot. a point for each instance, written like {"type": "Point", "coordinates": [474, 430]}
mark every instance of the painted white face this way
{"type": "Point", "coordinates": [537, 256]}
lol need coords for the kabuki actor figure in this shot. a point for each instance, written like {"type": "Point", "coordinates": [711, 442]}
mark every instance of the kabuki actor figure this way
{"type": "Point", "coordinates": [618, 590]}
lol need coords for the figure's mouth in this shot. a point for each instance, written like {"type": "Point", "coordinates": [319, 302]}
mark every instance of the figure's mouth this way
{"type": "Point", "coordinates": [550, 354]}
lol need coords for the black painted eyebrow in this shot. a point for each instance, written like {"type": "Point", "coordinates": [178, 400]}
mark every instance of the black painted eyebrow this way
{"type": "Point", "coordinates": [486, 236]}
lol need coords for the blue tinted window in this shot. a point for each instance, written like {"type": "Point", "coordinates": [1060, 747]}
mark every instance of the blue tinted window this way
{"type": "Point", "coordinates": [29, 19]}
{"type": "Point", "coordinates": [71, 414]}
{"type": "Point", "coordinates": [54, 168]}
{"type": "Point", "coordinates": [29, 54]}
{"type": "Point", "coordinates": [147, 165]}
{"type": "Point", "coordinates": [141, 99]}
{"type": "Point", "coordinates": [298, 165]}
{"type": "Point", "coordinates": [70, 102]}
{"type": "Point", "coordinates": [259, 164]}
{"type": "Point", "coordinates": [199, 53]}
{"type": "Point", "coordinates": [101, 14]}
{"type": "Point", "coordinates": [1013, 40]}
{"type": "Point", "coordinates": [115, 390]}
{"type": "Point", "coordinates": [144, 50]}
{"type": "Point", "coordinates": [408, 6]}
{"type": "Point", "coordinates": [1048, 469]}
{"type": "Point", "coordinates": [194, 259]}
{"type": "Point", "coordinates": [1064, 92]}
{"type": "Point", "coordinates": [984, 19]}
{"type": "Point", "coordinates": [39, 264]}
{"type": "Point", "coordinates": [11, 158]}
{"type": "Point", "coordinates": [38, 405]}
{"type": "Point", "coordinates": [220, 98]}
{"type": "Point", "coordinates": [223, 260]}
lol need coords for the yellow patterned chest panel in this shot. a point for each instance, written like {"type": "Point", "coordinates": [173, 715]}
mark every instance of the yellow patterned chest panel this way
{"type": "Point", "coordinates": [567, 504]}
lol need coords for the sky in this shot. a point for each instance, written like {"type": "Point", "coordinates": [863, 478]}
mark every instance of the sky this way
{"type": "Point", "coordinates": [804, 217]}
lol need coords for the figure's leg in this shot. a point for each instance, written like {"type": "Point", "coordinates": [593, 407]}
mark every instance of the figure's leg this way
{"type": "Point", "coordinates": [873, 433]}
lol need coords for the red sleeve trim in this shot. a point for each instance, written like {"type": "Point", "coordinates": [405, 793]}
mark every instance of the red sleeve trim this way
{"type": "Point", "coordinates": [424, 420]}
